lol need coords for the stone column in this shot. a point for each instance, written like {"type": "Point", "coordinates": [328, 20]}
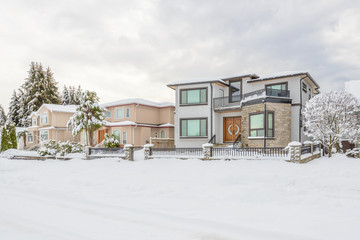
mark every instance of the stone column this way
{"type": "Point", "coordinates": [311, 144]}
{"type": "Point", "coordinates": [129, 152]}
{"type": "Point", "coordinates": [147, 151]}
{"type": "Point", "coordinates": [207, 150]}
{"type": "Point", "coordinates": [87, 152]}
{"type": "Point", "coordinates": [295, 151]}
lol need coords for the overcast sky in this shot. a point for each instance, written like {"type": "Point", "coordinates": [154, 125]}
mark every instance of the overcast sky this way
{"type": "Point", "coordinates": [125, 49]}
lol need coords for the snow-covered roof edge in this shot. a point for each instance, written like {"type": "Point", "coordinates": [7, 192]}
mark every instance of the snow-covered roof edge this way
{"type": "Point", "coordinates": [137, 101]}
{"type": "Point", "coordinates": [57, 108]}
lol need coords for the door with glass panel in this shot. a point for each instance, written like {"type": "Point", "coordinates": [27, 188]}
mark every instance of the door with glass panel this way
{"type": "Point", "coordinates": [232, 128]}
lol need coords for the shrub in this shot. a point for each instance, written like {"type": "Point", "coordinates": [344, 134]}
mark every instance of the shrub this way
{"type": "Point", "coordinates": [53, 148]}
{"type": "Point", "coordinates": [110, 141]}
{"type": "Point", "coordinates": [354, 153]}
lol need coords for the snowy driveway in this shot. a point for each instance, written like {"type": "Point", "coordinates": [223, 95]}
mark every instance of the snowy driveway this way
{"type": "Point", "coordinates": [176, 199]}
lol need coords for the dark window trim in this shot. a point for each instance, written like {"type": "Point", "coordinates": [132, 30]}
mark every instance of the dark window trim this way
{"type": "Point", "coordinates": [241, 90]}
{"type": "Point", "coordinates": [266, 124]}
{"type": "Point", "coordinates": [272, 84]}
{"type": "Point", "coordinates": [304, 87]}
{"type": "Point", "coordinates": [199, 118]}
{"type": "Point", "coordinates": [193, 104]}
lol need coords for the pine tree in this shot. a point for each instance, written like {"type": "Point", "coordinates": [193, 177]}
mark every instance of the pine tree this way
{"type": "Point", "coordinates": [39, 88]}
{"type": "Point", "coordinates": [71, 96]}
{"type": "Point", "coordinates": [14, 109]}
{"type": "Point", "coordinates": [88, 116]}
{"type": "Point", "coordinates": [65, 96]}
{"type": "Point", "coordinates": [3, 117]}
{"type": "Point", "coordinates": [8, 136]}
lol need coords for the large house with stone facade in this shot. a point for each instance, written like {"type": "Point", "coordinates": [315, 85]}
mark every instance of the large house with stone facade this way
{"type": "Point", "coordinates": [138, 122]}
{"type": "Point", "coordinates": [256, 111]}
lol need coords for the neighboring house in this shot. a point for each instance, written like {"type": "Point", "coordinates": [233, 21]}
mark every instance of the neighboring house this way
{"type": "Point", "coordinates": [138, 122]}
{"type": "Point", "coordinates": [50, 123]}
{"type": "Point", "coordinates": [232, 109]}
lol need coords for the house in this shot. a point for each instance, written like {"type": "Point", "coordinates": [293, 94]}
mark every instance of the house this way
{"type": "Point", "coordinates": [50, 123]}
{"type": "Point", "coordinates": [138, 122]}
{"type": "Point", "coordinates": [257, 111]}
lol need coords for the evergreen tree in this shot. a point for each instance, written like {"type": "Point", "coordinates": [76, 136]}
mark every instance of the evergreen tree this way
{"type": "Point", "coordinates": [8, 136]}
{"type": "Point", "coordinates": [65, 96]}
{"type": "Point", "coordinates": [88, 116]}
{"type": "Point", "coordinates": [71, 96]}
{"type": "Point", "coordinates": [39, 88]}
{"type": "Point", "coordinates": [14, 109]}
{"type": "Point", "coordinates": [3, 117]}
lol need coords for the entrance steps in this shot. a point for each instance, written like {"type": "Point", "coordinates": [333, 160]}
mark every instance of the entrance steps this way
{"type": "Point", "coordinates": [223, 145]}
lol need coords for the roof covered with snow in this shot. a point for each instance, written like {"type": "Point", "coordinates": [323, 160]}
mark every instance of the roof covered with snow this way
{"type": "Point", "coordinates": [137, 101]}
{"type": "Point", "coordinates": [57, 108]}
{"type": "Point", "coordinates": [201, 81]}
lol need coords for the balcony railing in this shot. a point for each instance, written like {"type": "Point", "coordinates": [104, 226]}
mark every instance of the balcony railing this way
{"type": "Point", "coordinates": [226, 103]}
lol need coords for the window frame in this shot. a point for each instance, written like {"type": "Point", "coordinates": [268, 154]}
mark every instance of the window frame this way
{"type": "Point", "coordinates": [201, 118]}
{"type": "Point", "coordinates": [161, 134]}
{"type": "Point", "coordinates": [117, 130]}
{"type": "Point", "coordinates": [304, 87]}
{"type": "Point", "coordinates": [127, 112]}
{"type": "Point", "coordinates": [266, 125]}
{"type": "Point", "coordinates": [230, 93]}
{"type": "Point", "coordinates": [124, 138]}
{"type": "Point", "coordinates": [30, 134]}
{"type": "Point", "coordinates": [109, 114]}
{"type": "Point", "coordinates": [123, 113]}
{"type": "Point", "coordinates": [47, 118]}
{"type": "Point", "coordinates": [41, 133]}
{"type": "Point", "coordinates": [193, 104]}
{"type": "Point", "coordinates": [34, 121]}
{"type": "Point", "coordinates": [279, 83]}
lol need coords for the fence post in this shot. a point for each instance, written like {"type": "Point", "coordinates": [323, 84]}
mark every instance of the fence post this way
{"type": "Point", "coordinates": [311, 144]}
{"type": "Point", "coordinates": [295, 151]}
{"type": "Point", "coordinates": [207, 150]}
{"type": "Point", "coordinates": [148, 151]}
{"type": "Point", "coordinates": [129, 152]}
{"type": "Point", "coordinates": [87, 152]}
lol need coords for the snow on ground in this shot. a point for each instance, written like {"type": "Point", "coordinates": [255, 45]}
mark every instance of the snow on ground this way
{"type": "Point", "coordinates": [179, 199]}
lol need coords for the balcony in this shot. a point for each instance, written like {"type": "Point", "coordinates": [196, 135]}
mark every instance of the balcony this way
{"type": "Point", "coordinates": [273, 95]}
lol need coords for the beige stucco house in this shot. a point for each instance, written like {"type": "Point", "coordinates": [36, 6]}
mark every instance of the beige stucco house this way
{"type": "Point", "coordinates": [50, 123]}
{"type": "Point", "coordinates": [138, 122]}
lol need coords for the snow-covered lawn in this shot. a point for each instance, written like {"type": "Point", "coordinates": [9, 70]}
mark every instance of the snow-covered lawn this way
{"type": "Point", "coordinates": [179, 199]}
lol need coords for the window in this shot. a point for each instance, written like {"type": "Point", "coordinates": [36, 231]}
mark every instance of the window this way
{"type": "Point", "coordinates": [85, 137]}
{"type": "Point", "coordinates": [107, 114]}
{"type": "Point", "coordinates": [30, 137]}
{"type": "Point", "coordinates": [162, 134]}
{"type": "Point", "coordinates": [304, 87]}
{"type": "Point", "coordinates": [124, 137]}
{"type": "Point", "coordinates": [193, 96]}
{"type": "Point", "coordinates": [156, 135]}
{"type": "Point", "coordinates": [127, 112]}
{"type": "Point", "coordinates": [44, 135]}
{"type": "Point", "coordinates": [277, 90]}
{"type": "Point", "coordinates": [117, 135]}
{"type": "Point", "coordinates": [34, 121]}
{"type": "Point", "coordinates": [235, 91]}
{"type": "Point", "coordinates": [309, 93]}
{"type": "Point", "coordinates": [44, 118]}
{"type": "Point", "coordinates": [258, 126]}
{"type": "Point", "coordinates": [120, 113]}
{"type": "Point", "coordinates": [193, 127]}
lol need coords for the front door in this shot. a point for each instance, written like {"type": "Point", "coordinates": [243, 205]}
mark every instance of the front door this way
{"type": "Point", "coordinates": [101, 135]}
{"type": "Point", "coordinates": [232, 128]}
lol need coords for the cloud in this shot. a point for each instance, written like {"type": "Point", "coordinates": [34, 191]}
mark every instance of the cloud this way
{"type": "Point", "coordinates": [127, 49]}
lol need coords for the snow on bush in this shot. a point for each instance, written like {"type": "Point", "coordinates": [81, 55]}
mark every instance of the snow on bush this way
{"type": "Point", "coordinates": [54, 148]}
{"type": "Point", "coordinates": [332, 116]}
{"type": "Point", "coordinates": [110, 141]}
{"type": "Point", "coordinates": [354, 153]}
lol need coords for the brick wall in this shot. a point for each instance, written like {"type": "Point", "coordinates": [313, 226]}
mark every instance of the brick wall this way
{"type": "Point", "coordinates": [282, 120]}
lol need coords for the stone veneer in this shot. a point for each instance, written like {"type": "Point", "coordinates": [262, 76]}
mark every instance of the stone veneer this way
{"type": "Point", "coordinates": [282, 120]}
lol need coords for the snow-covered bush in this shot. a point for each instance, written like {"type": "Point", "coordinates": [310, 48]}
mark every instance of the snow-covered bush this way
{"type": "Point", "coordinates": [354, 153]}
{"type": "Point", "coordinates": [110, 141]}
{"type": "Point", "coordinates": [54, 148]}
{"type": "Point", "coordinates": [8, 137]}
{"type": "Point", "coordinates": [332, 116]}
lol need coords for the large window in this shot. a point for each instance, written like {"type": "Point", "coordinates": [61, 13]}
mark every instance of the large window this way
{"type": "Point", "coordinates": [117, 135]}
{"type": "Point", "coordinates": [235, 91]}
{"type": "Point", "coordinates": [34, 121]}
{"type": "Point", "coordinates": [30, 137]}
{"type": "Point", "coordinates": [258, 124]}
{"type": "Point", "coordinates": [107, 114]}
{"type": "Point", "coordinates": [120, 113]}
{"type": "Point", "coordinates": [44, 135]}
{"type": "Point", "coordinates": [277, 90]}
{"type": "Point", "coordinates": [162, 134]}
{"type": "Point", "coordinates": [193, 96]}
{"type": "Point", "coordinates": [127, 112]}
{"type": "Point", "coordinates": [44, 118]}
{"type": "Point", "coordinates": [193, 127]}
{"type": "Point", "coordinates": [124, 137]}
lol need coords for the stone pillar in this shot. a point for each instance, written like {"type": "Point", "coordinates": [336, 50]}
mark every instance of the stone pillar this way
{"type": "Point", "coordinates": [207, 150]}
{"type": "Point", "coordinates": [295, 151]}
{"type": "Point", "coordinates": [129, 152]}
{"type": "Point", "coordinates": [87, 152]}
{"type": "Point", "coordinates": [311, 144]}
{"type": "Point", "coordinates": [147, 151]}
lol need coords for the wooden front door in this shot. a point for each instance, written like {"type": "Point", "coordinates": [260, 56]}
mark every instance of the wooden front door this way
{"type": "Point", "coordinates": [232, 128]}
{"type": "Point", "coordinates": [101, 135]}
